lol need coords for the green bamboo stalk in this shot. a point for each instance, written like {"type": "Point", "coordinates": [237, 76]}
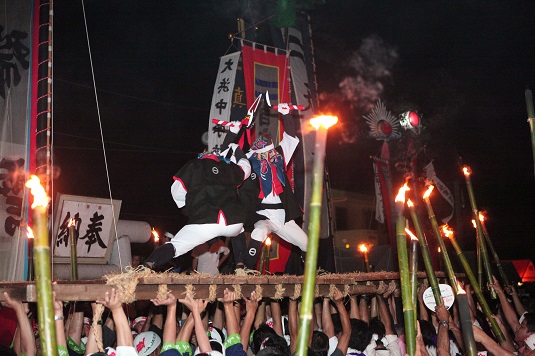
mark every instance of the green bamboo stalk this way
{"type": "Point", "coordinates": [309, 283]}
{"type": "Point", "coordinates": [477, 290]}
{"type": "Point", "coordinates": [414, 275]}
{"type": "Point", "coordinates": [479, 258]}
{"type": "Point", "coordinates": [531, 117]}
{"type": "Point", "coordinates": [487, 268]}
{"type": "Point", "coordinates": [74, 258]}
{"type": "Point", "coordinates": [404, 276]}
{"type": "Point", "coordinates": [501, 272]}
{"type": "Point", "coordinates": [43, 282]}
{"type": "Point", "coordinates": [424, 247]}
{"type": "Point", "coordinates": [447, 262]}
{"type": "Point", "coordinates": [466, 324]}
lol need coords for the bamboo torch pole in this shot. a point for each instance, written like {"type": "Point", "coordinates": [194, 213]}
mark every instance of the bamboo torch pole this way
{"type": "Point", "coordinates": [475, 286]}
{"type": "Point", "coordinates": [531, 117]}
{"type": "Point", "coordinates": [426, 256]}
{"type": "Point", "coordinates": [466, 322]}
{"type": "Point", "coordinates": [487, 268]}
{"type": "Point", "coordinates": [478, 255]}
{"type": "Point", "coordinates": [434, 224]}
{"type": "Point", "coordinates": [505, 280]}
{"type": "Point", "coordinates": [43, 282]}
{"type": "Point", "coordinates": [321, 124]}
{"type": "Point", "coordinates": [413, 270]}
{"type": "Point", "coordinates": [74, 258]}
{"type": "Point", "coordinates": [404, 275]}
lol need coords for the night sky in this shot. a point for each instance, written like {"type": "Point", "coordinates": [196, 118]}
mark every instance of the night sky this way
{"type": "Point", "coordinates": [464, 65]}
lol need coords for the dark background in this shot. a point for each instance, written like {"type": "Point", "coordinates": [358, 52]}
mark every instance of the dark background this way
{"type": "Point", "coordinates": [464, 65]}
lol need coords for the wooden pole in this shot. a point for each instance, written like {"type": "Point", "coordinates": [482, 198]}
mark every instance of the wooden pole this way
{"type": "Point", "coordinates": [531, 117]}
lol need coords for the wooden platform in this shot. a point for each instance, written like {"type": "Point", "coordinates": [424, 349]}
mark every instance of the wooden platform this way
{"type": "Point", "coordinates": [202, 285]}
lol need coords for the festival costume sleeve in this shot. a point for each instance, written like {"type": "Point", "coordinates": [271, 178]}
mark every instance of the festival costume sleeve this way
{"type": "Point", "coordinates": [289, 140]}
{"type": "Point", "coordinates": [179, 187]}
{"type": "Point", "coordinates": [245, 166]}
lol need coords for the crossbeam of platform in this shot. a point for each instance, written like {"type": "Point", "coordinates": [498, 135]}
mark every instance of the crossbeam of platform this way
{"type": "Point", "coordinates": [205, 286]}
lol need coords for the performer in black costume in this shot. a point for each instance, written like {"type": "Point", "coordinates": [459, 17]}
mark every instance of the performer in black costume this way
{"type": "Point", "coordinates": [207, 187]}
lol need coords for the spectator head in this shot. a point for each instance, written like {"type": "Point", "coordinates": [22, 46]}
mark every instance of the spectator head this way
{"type": "Point", "coordinates": [260, 336]}
{"type": "Point", "coordinates": [377, 328]}
{"type": "Point", "coordinates": [137, 324]}
{"type": "Point", "coordinates": [320, 343]}
{"type": "Point", "coordinates": [526, 329]}
{"type": "Point", "coordinates": [360, 335]}
{"type": "Point", "coordinates": [429, 333]}
{"type": "Point", "coordinates": [146, 343]}
{"type": "Point", "coordinates": [136, 261]}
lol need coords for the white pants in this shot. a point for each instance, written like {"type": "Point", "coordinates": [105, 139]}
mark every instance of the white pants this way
{"type": "Point", "coordinates": [193, 235]}
{"type": "Point", "coordinates": [289, 231]}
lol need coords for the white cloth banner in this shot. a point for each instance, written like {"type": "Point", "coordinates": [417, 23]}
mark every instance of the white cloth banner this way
{"type": "Point", "coordinates": [379, 211]}
{"type": "Point", "coordinates": [444, 191]}
{"type": "Point", "coordinates": [15, 91]}
{"type": "Point", "coordinates": [222, 98]}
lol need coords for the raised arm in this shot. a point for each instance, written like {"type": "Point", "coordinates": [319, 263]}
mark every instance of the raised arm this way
{"type": "Point", "coordinates": [196, 306]}
{"type": "Point", "coordinates": [27, 340]}
{"type": "Point", "coordinates": [277, 316]}
{"type": "Point", "coordinates": [489, 343]}
{"type": "Point", "coordinates": [343, 340]}
{"type": "Point", "coordinates": [326, 318]}
{"type": "Point", "coordinates": [293, 323]}
{"type": "Point", "coordinates": [251, 305]}
{"type": "Point", "coordinates": [508, 311]}
{"type": "Point", "coordinates": [169, 329]}
{"type": "Point", "coordinates": [122, 327]}
{"type": "Point", "coordinates": [443, 318]}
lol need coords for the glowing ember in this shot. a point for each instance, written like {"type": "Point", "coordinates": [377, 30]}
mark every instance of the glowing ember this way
{"type": "Point", "coordinates": [409, 203]}
{"type": "Point", "coordinates": [439, 250]}
{"type": "Point", "coordinates": [324, 120]}
{"type": "Point", "coordinates": [29, 232]}
{"type": "Point", "coordinates": [71, 222]}
{"type": "Point", "coordinates": [401, 194]}
{"type": "Point", "coordinates": [363, 248]}
{"type": "Point", "coordinates": [39, 194]}
{"type": "Point", "coordinates": [474, 223]}
{"type": "Point", "coordinates": [447, 231]}
{"type": "Point", "coordinates": [467, 171]}
{"type": "Point", "coordinates": [481, 217]}
{"type": "Point", "coordinates": [268, 241]}
{"type": "Point", "coordinates": [411, 235]}
{"type": "Point", "coordinates": [428, 191]}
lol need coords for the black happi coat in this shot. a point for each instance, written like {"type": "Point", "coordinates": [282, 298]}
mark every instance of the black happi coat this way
{"type": "Point", "coordinates": [212, 186]}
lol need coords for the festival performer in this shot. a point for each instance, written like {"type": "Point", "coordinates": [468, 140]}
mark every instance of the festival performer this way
{"type": "Point", "coordinates": [207, 187]}
{"type": "Point", "coordinates": [278, 207]}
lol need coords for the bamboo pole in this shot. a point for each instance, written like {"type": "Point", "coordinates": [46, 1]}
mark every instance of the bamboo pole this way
{"type": "Point", "coordinates": [438, 236]}
{"type": "Point", "coordinates": [475, 286]}
{"type": "Point", "coordinates": [501, 272]}
{"type": "Point", "coordinates": [487, 268]}
{"type": "Point", "coordinates": [426, 256]}
{"type": "Point", "coordinates": [43, 282]}
{"type": "Point", "coordinates": [478, 255]}
{"type": "Point", "coordinates": [404, 275]}
{"type": "Point", "coordinates": [307, 299]}
{"type": "Point", "coordinates": [413, 270]}
{"type": "Point", "coordinates": [74, 257]}
{"type": "Point", "coordinates": [466, 323]}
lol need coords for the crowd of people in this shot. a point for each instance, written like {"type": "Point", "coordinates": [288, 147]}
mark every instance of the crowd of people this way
{"type": "Point", "coordinates": [362, 325]}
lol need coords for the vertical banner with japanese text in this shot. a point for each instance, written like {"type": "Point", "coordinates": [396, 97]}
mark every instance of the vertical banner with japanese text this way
{"type": "Point", "coordinates": [266, 71]}
{"type": "Point", "coordinates": [223, 97]}
{"type": "Point", "coordinates": [383, 182]}
{"type": "Point", "coordinates": [15, 93]}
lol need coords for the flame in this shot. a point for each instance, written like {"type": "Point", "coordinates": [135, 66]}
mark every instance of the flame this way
{"type": "Point", "coordinates": [411, 235]}
{"type": "Point", "coordinates": [72, 222]}
{"type": "Point", "coordinates": [39, 195]}
{"type": "Point", "coordinates": [268, 241]}
{"type": "Point", "coordinates": [467, 171]}
{"type": "Point", "coordinates": [29, 232]}
{"type": "Point", "coordinates": [474, 223]}
{"type": "Point", "coordinates": [324, 120]}
{"type": "Point", "coordinates": [155, 234]}
{"type": "Point", "coordinates": [439, 249]}
{"type": "Point", "coordinates": [481, 216]}
{"type": "Point", "coordinates": [363, 248]}
{"type": "Point", "coordinates": [428, 191]}
{"type": "Point", "coordinates": [409, 203]}
{"type": "Point", "coordinates": [347, 245]}
{"type": "Point", "coordinates": [447, 231]}
{"type": "Point", "coordinates": [401, 194]}
{"type": "Point", "coordinates": [460, 289]}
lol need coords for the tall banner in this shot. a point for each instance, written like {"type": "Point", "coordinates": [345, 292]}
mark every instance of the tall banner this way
{"type": "Point", "coordinates": [222, 99]}
{"type": "Point", "coordinates": [15, 94]}
{"type": "Point", "coordinates": [441, 187]}
{"type": "Point", "coordinates": [383, 186]}
{"type": "Point", "coordinates": [264, 71]}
